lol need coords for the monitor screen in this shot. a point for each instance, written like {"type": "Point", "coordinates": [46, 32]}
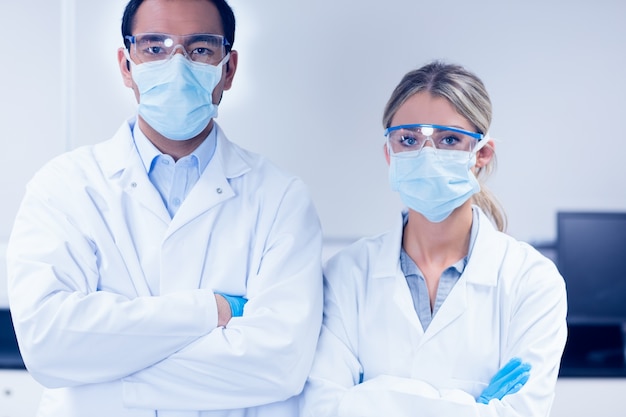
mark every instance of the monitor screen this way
{"type": "Point", "coordinates": [591, 256]}
{"type": "Point", "coordinates": [9, 352]}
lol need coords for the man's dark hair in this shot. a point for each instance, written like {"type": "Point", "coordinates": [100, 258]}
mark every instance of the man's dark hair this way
{"type": "Point", "coordinates": [226, 15]}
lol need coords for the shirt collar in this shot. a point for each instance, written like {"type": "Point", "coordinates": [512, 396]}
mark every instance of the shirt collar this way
{"type": "Point", "coordinates": [148, 152]}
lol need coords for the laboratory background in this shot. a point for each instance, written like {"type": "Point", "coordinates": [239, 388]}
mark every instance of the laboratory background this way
{"type": "Point", "coordinates": [312, 80]}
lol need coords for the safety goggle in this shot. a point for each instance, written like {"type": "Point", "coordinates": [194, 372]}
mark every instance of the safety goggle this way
{"type": "Point", "coordinates": [413, 138]}
{"type": "Point", "coordinates": [206, 48]}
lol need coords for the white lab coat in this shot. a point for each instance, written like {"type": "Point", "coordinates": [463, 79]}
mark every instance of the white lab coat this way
{"type": "Point", "coordinates": [510, 301]}
{"type": "Point", "coordinates": [91, 233]}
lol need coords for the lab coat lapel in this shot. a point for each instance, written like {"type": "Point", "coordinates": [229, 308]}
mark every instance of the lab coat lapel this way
{"type": "Point", "coordinates": [133, 178]}
{"type": "Point", "coordinates": [402, 299]}
{"type": "Point", "coordinates": [213, 186]}
{"type": "Point", "coordinates": [480, 270]}
{"type": "Point", "coordinates": [451, 309]}
{"type": "Point", "coordinates": [386, 267]}
{"type": "Point", "coordinates": [136, 184]}
{"type": "Point", "coordinates": [211, 190]}
{"type": "Point", "coordinates": [489, 245]}
{"type": "Point", "coordinates": [119, 159]}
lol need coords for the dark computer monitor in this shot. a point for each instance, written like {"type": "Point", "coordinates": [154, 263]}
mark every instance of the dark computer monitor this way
{"type": "Point", "coordinates": [10, 357]}
{"type": "Point", "coordinates": [591, 256]}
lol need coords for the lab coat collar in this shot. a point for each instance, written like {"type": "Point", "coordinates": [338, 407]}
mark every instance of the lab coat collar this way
{"type": "Point", "coordinates": [213, 187]}
{"type": "Point", "coordinates": [233, 163]}
{"type": "Point", "coordinates": [119, 158]}
{"type": "Point", "coordinates": [120, 161]}
{"type": "Point", "coordinates": [121, 144]}
{"type": "Point", "coordinates": [387, 262]}
{"type": "Point", "coordinates": [482, 266]}
{"type": "Point", "coordinates": [480, 269]}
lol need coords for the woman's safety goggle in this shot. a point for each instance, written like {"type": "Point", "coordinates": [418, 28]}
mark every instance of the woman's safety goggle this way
{"type": "Point", "coordinates": [413, 137]}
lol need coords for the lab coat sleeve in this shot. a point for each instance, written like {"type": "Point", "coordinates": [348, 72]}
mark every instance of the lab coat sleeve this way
{"type": "Point", "coordinates": [265, 355]}
{"type": "Point", "coordinates": [534, 322]}
{"type": "Point", "coordinates": [336, 368]}
{"type": "Point", "coordinates": [390, 395]}
{"type": "Point", "coordinates": [69, 332]}
{"type": "Point", "coordinates": [404, 397]}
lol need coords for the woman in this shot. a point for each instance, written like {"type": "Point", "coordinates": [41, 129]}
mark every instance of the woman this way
{"type": "Point", "coordinates": [418, 320]}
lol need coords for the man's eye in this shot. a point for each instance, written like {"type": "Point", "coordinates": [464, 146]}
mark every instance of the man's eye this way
{"type": "Point", "coordinates": [154, 50]}
{"type": "Point", "coordinates": [202, 51]}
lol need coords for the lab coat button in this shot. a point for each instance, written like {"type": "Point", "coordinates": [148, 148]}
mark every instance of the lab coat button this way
{"type": "Point", "coordinates": [219, 190]}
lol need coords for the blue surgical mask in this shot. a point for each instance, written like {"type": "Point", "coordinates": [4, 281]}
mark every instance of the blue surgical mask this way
{"type": "Point", "coordinates": [434, 182]}
{"type": "Point", "coordinates": [176, 95]}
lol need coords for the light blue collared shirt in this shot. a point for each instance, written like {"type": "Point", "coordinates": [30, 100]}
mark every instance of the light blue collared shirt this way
{"type": "Point", "coordinates": [174, 180]}
{"type": "Point", "coordinates": [449, 277]}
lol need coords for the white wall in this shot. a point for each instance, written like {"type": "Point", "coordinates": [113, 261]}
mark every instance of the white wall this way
{"type": "Point", "coordinates": [312, 82]}
{"type": "Point", "coordinates": [31, 91]}
{"type": "Point", "coordinates": [313, 79]}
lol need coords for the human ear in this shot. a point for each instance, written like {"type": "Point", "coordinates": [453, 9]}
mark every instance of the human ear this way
{"type": "Point", "coordinates": [386, 151]}
{"type": "Point", "coordinates": [231, 68]}
{"type": "Point", "coordinates": [485, 154]}
{"type": "Point", "coordinates": [124, 68]}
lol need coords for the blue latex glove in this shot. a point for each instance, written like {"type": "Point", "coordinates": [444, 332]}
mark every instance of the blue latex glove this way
{"type": "Point", "coordinates": [236, 304]}
{"type": "Point", "coordinates": [508, 380]}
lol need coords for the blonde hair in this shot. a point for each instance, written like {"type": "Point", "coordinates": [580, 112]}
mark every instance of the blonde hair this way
{"type": "Point", "coordinates": [467, 93]}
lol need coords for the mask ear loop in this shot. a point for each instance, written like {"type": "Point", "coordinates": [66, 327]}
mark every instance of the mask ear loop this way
{"type": "Point", "coordinates": [224, 60]}
{"type": "Point", "coordinates": [481, 144]}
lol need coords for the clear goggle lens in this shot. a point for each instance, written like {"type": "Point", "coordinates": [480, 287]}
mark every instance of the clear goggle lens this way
{"type": "Point", "coordinates": [206, 48]}
{"type": "Point", "coordinates": [413, 138]}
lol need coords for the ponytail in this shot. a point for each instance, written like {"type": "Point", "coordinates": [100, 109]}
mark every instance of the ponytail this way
{"type": "Point", "coordinates": [492, 208]}
{"type": "Point", "coordinates": [485, 198]}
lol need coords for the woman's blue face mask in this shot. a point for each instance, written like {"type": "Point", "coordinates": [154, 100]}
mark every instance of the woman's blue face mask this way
{"type": "Point", "coordinates": [433, 174]}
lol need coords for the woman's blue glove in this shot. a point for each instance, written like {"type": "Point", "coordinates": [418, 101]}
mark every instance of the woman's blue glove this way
{"type": "Point", "coordinates": [236, 304]}
{"type": "Point", "coordinates": [507, 380]}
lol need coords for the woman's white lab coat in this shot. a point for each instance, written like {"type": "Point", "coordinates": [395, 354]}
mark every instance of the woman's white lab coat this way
{"type": "Point", "coordinates": [113, 301]}
{"type": "Point", "coordinates": [510, 301]}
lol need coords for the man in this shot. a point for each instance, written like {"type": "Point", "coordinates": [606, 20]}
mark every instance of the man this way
{"type": "Point", "coordinates": [130, 261]}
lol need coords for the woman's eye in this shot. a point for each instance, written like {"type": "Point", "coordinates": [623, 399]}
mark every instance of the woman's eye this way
{"type": "Point", "coordinates": [408, 140]}
{"type": "Point", "coordinates": [450, 140]}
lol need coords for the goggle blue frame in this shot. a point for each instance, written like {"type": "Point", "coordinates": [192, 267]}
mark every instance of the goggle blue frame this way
{"type": "Point", "coordinates": [477, 136]}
